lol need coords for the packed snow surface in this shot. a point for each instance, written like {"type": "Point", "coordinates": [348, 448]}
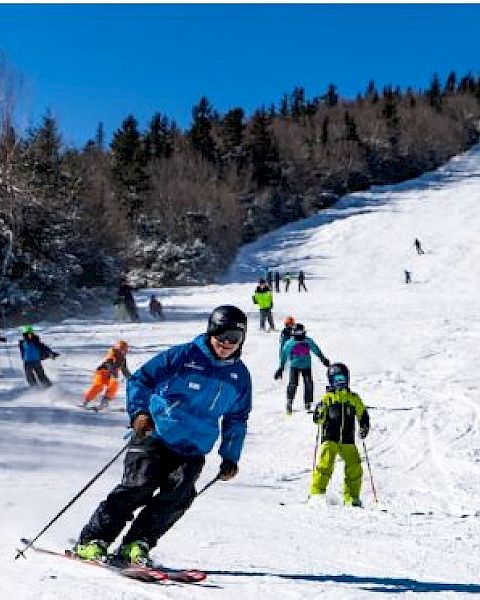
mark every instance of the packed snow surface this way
{"type": "Point", "coordinates": [413, 350]}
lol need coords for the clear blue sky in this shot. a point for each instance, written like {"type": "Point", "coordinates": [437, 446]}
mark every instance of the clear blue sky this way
{"type": "Point", "coordinates": [92, 63]}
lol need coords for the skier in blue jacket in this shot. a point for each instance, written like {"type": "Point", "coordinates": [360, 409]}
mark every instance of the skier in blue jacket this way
{"type": "Point", "coordinates": [33, 351]}
{"type": "Point", "coordinates": [176, 402]}
{"type": "Point", "coordinates": [297, 350]}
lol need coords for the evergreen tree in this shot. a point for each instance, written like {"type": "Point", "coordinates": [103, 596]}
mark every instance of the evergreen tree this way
{"type": "Point", "coordinates": [201, 131]}
{"type": "Point", "coordinates": [159, 139]}
{"type": "Point", "coordinates": [435, 94]}
{"type": "Point", "coordinates": [371, 93]}
{"type": "Point", "coordinates": [284, 106]}
{"type": "Point", "coordinates": [298, 102]}
{"type": "Point", "coordinates": [43, 157]}
{"type": "Point", "coordinates": [128, 166]}
{"type": "Point", "coordinates": [331, 97]}
{"type": "Point", "coordinates": [232, 129]}
{"type": "Point", "coordinates": [390, 114]}
{"type": "Point", "coordinates": [100, 137]}
{"type": "Point", "coordinates": [451, 83]}
{"type": "Point", "coordinates": [351, 133]}
{"type": "Point", "coordinates": [263, 151]}
{"type": "Point", "coordinates": [467, 84]}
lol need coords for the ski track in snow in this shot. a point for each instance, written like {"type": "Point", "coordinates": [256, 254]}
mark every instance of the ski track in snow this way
{"type": "Point", "coordinates": [413, 351]}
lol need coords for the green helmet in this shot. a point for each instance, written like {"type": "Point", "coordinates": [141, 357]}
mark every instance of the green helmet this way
{"type": "Point", "coordinates": [28, 329]}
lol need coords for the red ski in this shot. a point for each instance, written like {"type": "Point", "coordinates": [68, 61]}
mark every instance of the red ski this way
{"type": "Point", "coordinates": [138, 572]}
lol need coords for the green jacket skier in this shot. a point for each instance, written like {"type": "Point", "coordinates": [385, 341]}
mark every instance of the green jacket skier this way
{"type": "Point", "coordinates": [263, 298]}
{"type": "Point", "coordinates": [336, 414]}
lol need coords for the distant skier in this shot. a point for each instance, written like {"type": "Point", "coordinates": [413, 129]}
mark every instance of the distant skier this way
{"type": "Point", "coordinates": [336, 414]}
{"type": "Point", "coordinates": [125, 293]}
{"type": "Point", "coordinates": [264, 300]}
{"type": "Point", "coordinates": [301, 282]}
{"type": "Point", "coordinates": [297, 351]}
{"type": "Point", "coordinates": [277, 282]}
{"type": "Point", "coordinates": [270, 279]}
{"type": "Point", "coordinates": [287, 333]}
{"type": "Point", "coordinates": [287, 278]}
{"type": "Point", "coordinates": [33, 351]}
{"type": "Point", "coordinates": [408, 276]}
{"type": "Point", "coordinates": [155, 307]}
{"type": "Point", "coordinates": [179, 403]}
{"type": "Point", "coordinates": [418, 246]}
{"type": "Point", "coordinates": [105, 380]}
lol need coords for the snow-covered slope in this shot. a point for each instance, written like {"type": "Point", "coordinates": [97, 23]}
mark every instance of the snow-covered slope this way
{"type": "Point", "coordinates": [413, 351]}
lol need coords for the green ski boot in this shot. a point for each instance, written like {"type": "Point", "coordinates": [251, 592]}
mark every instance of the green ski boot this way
{"type": "Point", "coordinates": [92, 550]}
{"type": "Point", "coordinates": [136, 553]}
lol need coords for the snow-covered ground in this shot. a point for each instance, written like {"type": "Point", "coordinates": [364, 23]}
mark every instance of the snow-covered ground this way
{"type": "Point", "coordinates": [413, 351]}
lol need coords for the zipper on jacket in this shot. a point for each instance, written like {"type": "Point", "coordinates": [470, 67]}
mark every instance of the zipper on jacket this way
{"type": "Point", "coordinates": [217, 396]}
{"type": "Point", "coordinates": [342, 423]}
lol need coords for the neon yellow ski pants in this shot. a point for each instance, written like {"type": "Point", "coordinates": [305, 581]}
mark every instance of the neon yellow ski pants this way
{"type": "Point", "coordinates": [325, 465]}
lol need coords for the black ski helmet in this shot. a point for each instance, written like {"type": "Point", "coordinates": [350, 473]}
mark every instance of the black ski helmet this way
{"type": "Point", "coordinates": [225, 318]}
{"type": "Point", "coordinates": [299, 331]}
{"type": "Point", "coordinates": [338, 376]}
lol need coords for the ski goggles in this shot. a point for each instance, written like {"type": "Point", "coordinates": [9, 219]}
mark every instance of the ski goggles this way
{"type": "Point", "coordinates": [232, 336]}
{"type": "Point", "coordinates": [339, 379]}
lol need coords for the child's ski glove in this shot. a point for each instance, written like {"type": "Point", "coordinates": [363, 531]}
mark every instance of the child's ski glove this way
{"type": "Point", "coordinates": [278, 373]}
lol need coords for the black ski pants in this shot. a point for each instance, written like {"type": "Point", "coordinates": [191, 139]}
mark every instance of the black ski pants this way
{"type": "Point", "coordinates": [35, 374]}
{"type": "Point", "coordinates": [293, 384]}
{"type": "Point", "coordinates": [155, 477]}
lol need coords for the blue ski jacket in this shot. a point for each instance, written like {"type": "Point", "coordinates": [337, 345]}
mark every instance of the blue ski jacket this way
{"type": "Point", "coordinates": [298, 353]}
{"type": "Point", "coordinates": [187, 390]}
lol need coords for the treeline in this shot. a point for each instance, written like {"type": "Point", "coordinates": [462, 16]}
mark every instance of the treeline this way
{"type": "Point", "coordinates": [171, 207]}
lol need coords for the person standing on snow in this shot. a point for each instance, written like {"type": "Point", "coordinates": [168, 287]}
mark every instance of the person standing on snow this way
{"type": "Point", "coordinates": [125, 294]}
{"type": "Point", "coordinates": [155, 307]}
{"type": "Point", "coordinates": [263, 298]}
{"type": "Point", "coordinates": [287, 278]}
{"type": "Point", "coordinates": [277, 282]}
{"type": "Point", "coordinates": [105, 379]}
{"type": "Point", "coordinates": [175, 402]}
{"type": "Point", "coordinates": [336, 414]}
{"type": "Point", "coordinates": [297, 351]}
{"type": "Point", "coordinates": [301, 282]}
{"type": "Point", "coordinates": [418, 246]}
{"type": "Point", "coordinates": [33, 351]}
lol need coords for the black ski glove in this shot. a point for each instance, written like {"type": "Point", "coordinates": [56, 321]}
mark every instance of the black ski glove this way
{"type": "Point", "coordinates": [364, 432]}
{"type": "Point", "coordinates": [53, 355]}
{"type": "Point", "coordinates": [228, 469]}
{"type": "Point", "coordinates": [317, 413]}
{"type": "Point", "coordinates": [326, 362]}
{"type": "Point", "coordinates": [278, 373]}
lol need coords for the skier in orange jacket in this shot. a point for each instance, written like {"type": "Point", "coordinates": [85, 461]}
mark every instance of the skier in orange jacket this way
{"type": "Point", "coordinates": [106, 376]}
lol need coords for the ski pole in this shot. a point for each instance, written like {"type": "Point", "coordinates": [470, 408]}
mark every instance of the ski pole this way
{"type": "Point", "coordinates": [65, 508]}
{"type": "Point", "coordinates": [210, 483]}
{"type": "Point", "coordinates": [315, 452]}
{"type": "Point", "coordinates": [370, 472]}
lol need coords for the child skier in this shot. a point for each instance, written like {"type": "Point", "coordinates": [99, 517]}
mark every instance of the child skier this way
{"type": "Point", "coordinates": [297, 351]}
{"type": "Point", "coordinates": [287, 333]}
{"type": "Point", "coordinates": [179, 403]}
{"type": "Point", "coordinates": [33, 351]}
{"type": "Point", "coordinates": [336, 414]}
{"type": "Point", "coordinates": [106, 376]}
